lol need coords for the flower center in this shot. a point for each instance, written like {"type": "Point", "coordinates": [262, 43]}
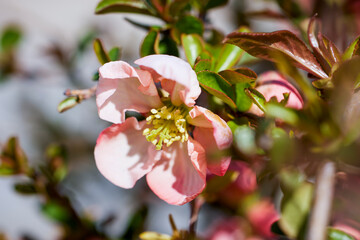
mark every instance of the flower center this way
{"type": "Point", "coordinates": [168, 125]}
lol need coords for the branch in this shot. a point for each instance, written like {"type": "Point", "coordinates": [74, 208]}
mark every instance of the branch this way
{"type": "Point", "coordinates": [324, 192]}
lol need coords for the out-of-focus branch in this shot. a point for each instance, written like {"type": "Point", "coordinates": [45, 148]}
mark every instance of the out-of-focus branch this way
{"type": "Point", "coordinates": [195, 209]}
{"type": "Point", "coordinates": [324, 192]}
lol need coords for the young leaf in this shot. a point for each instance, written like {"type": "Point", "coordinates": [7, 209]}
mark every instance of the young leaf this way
{"type": "Point", "coordinates": [217, 86]}
{"type": "Point", "coordinates": [150, 44]}
{"type": "Point", "coordinates": [100, 52]}
{"type": "Point", "coordinates": [284, 43]}
{"type": "Point", "coordinates": [10, 38]}
{"type": "Point", "coordinates": [114, 54]}
{"type": "Point", "coordinates": [122, 6]}
{"type": "Point", "coordinates": [13, 158]}
{"type": "Point", "coordinates": [240, 75]}
{"type": "Point", "coordinates": [193, 46]}
{"type": "Point", "coordinates": [25, 188]}
{"type": "Point", "coordinates": [325, 51]}
{"type": "Point", "coordinates": [296, 209]}
{"type": "Point", "coordinates": [335, 234]}
{"type": "Point", "coordinates": [279, 111]}
{"type": "Point", "coordinates": [229, 55]}
{"type": "Point", "coordinates": [352, 49]}
{"type": "Point", "coordinates": [67, 104]}
{"type": "Point", "coordinates": [144, 26]}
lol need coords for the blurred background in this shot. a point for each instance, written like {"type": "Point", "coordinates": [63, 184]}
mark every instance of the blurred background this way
{"type": "Point", "coordinates": [54, 53]}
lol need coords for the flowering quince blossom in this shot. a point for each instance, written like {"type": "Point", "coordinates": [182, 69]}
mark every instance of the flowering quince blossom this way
{"type": "Point", "coordinates": [272, 84]}
{"type": "Point", "coordinates": [171, 145]}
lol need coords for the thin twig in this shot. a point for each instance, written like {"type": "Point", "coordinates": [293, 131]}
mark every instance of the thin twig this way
{"type": "Point", "coordinates": [324, 192]}
{"type": "Point", "coordinates": [82, 94]}
{"type": "Point", "coordinates": [195, 209]}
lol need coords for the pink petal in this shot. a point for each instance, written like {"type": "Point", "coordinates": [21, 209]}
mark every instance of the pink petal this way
{"type": "Point", "coordinates": [176, 77]}
{"type": "Point", "coordinates": [122, 88]}
{"type": "Point", "coordinates": [180, 175]}
{"type": "Point", "coordinates": [262, 215]}
{"type": "Point", "coordinates": [214, 135]}
{"type": "Point", "coordinates": [273, 84]}
{"type": "Point", "coordinates": [123, 155]}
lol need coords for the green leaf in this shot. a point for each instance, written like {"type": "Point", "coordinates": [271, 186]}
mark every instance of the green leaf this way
{"type": "Point", "coordinates": [279, 43]}
{"type": "Point", "coordinates": [96, 76]}
{"type": "Point", "coordinates": [13, 157]}
{"type": "Point", "coordinates": [216, 85]}
{"type": "Point", "coordinates": [56, 212]}
{"type": "Point", "coordinates": [100, 52]}
{"type": "Point", "coordinates": [352, 49]}
{"type": "Point", "coordinates": [256, 98]}
{"type": "Point", "coordinates": [122, 6]}
{"type": "Point", "coordinates": [114, 54]}
{"type": "Point", "coordinates": [67, 104]}
{"type": "Point", "coordinates": [279, 111]}
{"type": "Point", "coordinates": [85, 41]}
{"type": "Point", "coordinates": [10, 38]}
{"type": "Point", "coordinates": [189, 24]}
{"type": "Point", "coordinates": [193, 46]}
{"type": "Point", "coordinates": [242, 100]}
{"type": "Point", "coordinates": [168, 46]}
{"type": "Point", "coordinates": [143, 26]}
{"type": "Point", "coordinates": [150, 44]}
{"type": "Point", "coordinates": [202, 65]}
{"type": "Point", "coordinates": [25, 188]}
{"type": "Point", "coordinates": [229, 55]}
{"type": "Point", "coordinates": [56, 155]}
{"type": "Point", "coordinates": [325, 83]}
{"type": "Point", "coordinates": [290, 180]}
{"type": "Point", "coordinates": [240, 75]}
{"type": "Point", "coordinates": [296, 209]}
{"type": "Point", "coordinates": [335, 234]}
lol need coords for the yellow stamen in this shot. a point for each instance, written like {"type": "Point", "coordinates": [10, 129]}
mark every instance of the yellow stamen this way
{"type": "Point", "coordinates": [168, 125]}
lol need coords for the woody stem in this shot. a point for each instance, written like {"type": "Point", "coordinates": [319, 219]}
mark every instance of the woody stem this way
{"type": "Point", "coordinates": [195, 209]}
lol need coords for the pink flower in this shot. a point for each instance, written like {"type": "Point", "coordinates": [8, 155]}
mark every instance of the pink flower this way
{"type": "Point", "coordinates": [244, 184]}
{"type": "Point", "coordinates": [262, 215]}
{"type": "Point", "coordinates": [273, 84]}
{"type": "Point", "coordinates": [171, 146]}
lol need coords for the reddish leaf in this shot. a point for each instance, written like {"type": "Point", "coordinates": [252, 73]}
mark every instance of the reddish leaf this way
{"type": "Point", "coordinates": [240, 75]}
{"type": "Point", "coordinates": [284, 43]}
{"type": "Point", "coordinates": [325, 51]}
